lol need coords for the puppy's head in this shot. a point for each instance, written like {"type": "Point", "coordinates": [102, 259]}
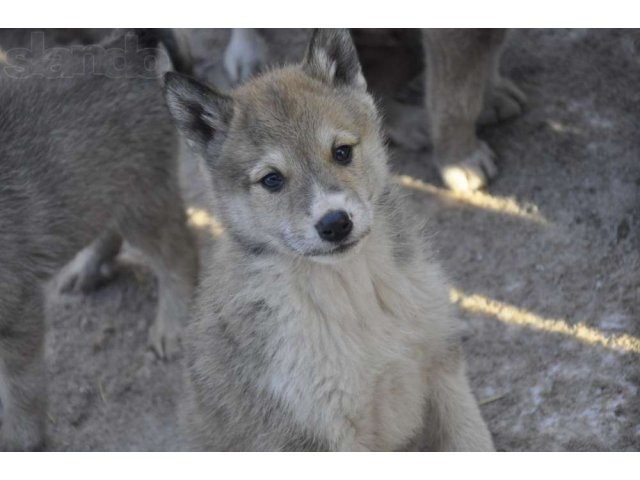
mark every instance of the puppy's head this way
{"type": "Point", "coordinates": [296, 156]}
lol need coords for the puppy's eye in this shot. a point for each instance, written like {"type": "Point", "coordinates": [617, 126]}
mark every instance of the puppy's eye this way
{"type": "Point", "coordinates": [343, 154]}
{"type": "Point", "coordinates": [273, 181]}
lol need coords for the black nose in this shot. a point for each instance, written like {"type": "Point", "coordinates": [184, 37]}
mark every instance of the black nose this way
{"type": "Point", "coordinates": [334, 226]}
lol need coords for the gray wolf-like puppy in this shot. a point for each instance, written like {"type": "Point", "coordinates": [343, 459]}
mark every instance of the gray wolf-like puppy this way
{"type": "Point", "coordinates": [323, 322]}
{"type": "Point", "coordinates": [463, 88]}
{"type": "Point", "coordinates": [86, 159]}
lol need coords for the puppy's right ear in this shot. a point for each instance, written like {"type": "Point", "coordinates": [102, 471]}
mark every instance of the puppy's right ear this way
{"type": "Point", "coordinates": [201, 114]}
{"type": "Point", "coordinates": [332, 58]}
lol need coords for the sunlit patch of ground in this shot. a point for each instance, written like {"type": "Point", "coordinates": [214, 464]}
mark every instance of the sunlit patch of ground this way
{"type": "Point", "coordinates": [560, 127]}
{"type": "Point", "coordinates": [478, 199]}
{"type": "Point", "coordinates": [516, 316]}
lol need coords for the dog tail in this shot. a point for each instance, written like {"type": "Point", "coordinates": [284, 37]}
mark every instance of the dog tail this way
{"type": "Point", "coordinates": [176, 44]}
{"type": "Point", "coordinates": [174, 41]}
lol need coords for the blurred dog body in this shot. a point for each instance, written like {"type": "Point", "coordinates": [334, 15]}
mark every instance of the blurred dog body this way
{"type": "Point", "coordinates": [87, 158]}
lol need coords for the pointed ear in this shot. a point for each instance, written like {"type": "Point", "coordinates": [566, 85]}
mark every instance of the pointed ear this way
{"type": "Point", "coordinates": [201, 114]}
{"type": "Point", "coordinates": [332, 58]}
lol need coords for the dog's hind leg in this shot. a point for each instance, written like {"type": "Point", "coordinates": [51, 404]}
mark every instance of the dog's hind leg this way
{"type": "Point", "coordinates": [171, 251]}
{"type": "Point", "coordinates": [22, 373]}
{"type": "Point", "coordinates": [460, 66]}
{"type": "Point", "coordinates": [92, 266]}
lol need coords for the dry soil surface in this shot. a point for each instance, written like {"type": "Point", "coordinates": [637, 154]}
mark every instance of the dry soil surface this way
{"type": "Point", "coordinates": [545, 267]}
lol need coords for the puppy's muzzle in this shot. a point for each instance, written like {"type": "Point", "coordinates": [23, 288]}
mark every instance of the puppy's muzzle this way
{"type": "Point", "coordinates": [334, 226]}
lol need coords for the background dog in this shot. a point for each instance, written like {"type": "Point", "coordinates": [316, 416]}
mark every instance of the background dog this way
{"type": "Point", "coordinates": [89, 157]}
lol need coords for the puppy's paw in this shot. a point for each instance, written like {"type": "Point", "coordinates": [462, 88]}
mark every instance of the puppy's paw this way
{"type": "Point", "coordinates": [86, 272]}
{"type": "Point", "coordinates": [503, 101]}
{"type": "Point", "coordinates": [245, 56]}
{"type": "Point", "coordinates": [471, 173]}
{"type": "Point", "coordinates": [164, 339]}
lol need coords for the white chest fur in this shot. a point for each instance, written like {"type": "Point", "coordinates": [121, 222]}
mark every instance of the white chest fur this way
{"type": "Point", "coordinates": [354, 349]}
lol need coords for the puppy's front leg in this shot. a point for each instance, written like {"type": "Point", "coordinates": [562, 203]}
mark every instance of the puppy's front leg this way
{"type": "Point", "coordinates": [453, 421]}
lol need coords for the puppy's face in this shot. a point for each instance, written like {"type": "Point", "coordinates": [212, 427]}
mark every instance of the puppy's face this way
{"type": "Point", "coordinates": [301, 163]}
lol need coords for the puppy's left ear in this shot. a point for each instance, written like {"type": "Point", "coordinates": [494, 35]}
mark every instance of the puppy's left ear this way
{"type": "Point", "coordinates": [332, 58]}
{"type": "Point", "coordinates": [200, 113]}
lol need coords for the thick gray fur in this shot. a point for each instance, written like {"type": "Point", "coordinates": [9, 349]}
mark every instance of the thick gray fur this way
{"type": "Point", "coordinates": [85, 161]}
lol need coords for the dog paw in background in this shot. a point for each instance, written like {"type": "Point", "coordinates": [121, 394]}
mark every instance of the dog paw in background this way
{"type": "Point", "coordinates": [246, 55]}
{"type": "Point", "coordinates": [472, 172]}
{"type": "Point", "coordinates": [406, 126]}
{"type": "Point", "coordinates": [92, 267]}
{"type": "Point", "coordinates": [503, 101]}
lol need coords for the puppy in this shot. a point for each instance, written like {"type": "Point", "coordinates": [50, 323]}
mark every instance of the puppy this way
{"type": "Point", "coordinates": [323, 322]}
{"type": "Point", "coordinates": [87, 158]}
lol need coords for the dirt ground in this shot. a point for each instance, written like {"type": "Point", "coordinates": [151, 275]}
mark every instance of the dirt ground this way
{"type": "Point", "coordinates": [545, 265]}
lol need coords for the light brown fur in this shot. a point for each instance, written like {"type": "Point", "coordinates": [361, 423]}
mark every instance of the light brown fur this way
{"type": "Point", "coordinates": [299, 343]}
